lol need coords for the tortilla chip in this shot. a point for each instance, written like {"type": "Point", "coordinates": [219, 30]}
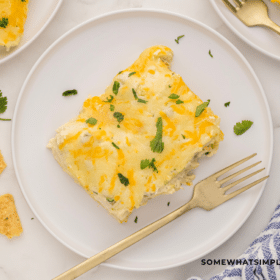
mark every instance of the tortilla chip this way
{"type": "Point", "coordinates": [10, 224]}
{"type": "Point", "coordinates": [2, 163]}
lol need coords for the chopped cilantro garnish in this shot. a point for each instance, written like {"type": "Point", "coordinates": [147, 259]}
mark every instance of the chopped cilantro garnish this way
{"type": "Point", "coordinates": [200, 108]}
{"type": "Point", "coordinates": [116, 87]}
{"type": "Point", "coordinates": [179, 101]}
{"type": "Point", "coordinates": [119, 116]}
{"type": "Point", "coordinates": [112, 107]}
{"type": "Point", "coordinates": [178, 38]}
{"type": "Point", "coordinates": [119, 72]}
{"type": "Point", "coordinates": [146, 163]}
{"type": "Point", "coordinates": [4, 22]}
{"type": "Point", "coordinates": [70, 92]}
{"type": "Point", "coordinates": [109, 100]}
{"type": "Point", "coordinates": [115, 146]}
{"type": "Point", "coordinates": [118, 126]}
{"type": "Point", "coordinates": [136, 220]}
{"type": "Point", "coordinates": [227, 104]}
{"type": "Point", "coordinates": [91, 121]}
{"type": "Point", "coordinates": [207, 153]}
{"type": "Point", "coordinates": [132, 73]}
{"type": "Point", "coordinates": [169, 86]}
{"type": "Point", "coordinates": [123, 179]}
{"type": "Point", "coordinates": [184, 137]}
{"type": "Point", "coordinates": [32, 218]}
{"type": "Point", "coordinates": [134, 93]}
{"type": "Point", "coordinates": [141, 100]}
{"type": "Point", "coordinates": [210, 53]}
{"type": "Point", "coordinates": [168, 203]}
{"type": "Point", "coordinates": [3, 105]}
{"type": "Point", "coordinates": [156, 144]}
{"type": "Point", "coordinates": [242, 127]}
{"type": "Point", "coordinates": [173, 96]}
{"type": "Point", "coordinates": [110, 199]}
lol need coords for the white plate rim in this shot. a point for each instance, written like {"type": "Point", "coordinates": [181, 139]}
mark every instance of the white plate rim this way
{"type": "Point", "coordinates": [240, 35]}
{"type": "Point", "coordinates": [20, 49]}
{"type": "Point", "coordinates": [135, 10]}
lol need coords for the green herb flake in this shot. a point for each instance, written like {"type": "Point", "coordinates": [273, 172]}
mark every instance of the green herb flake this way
{"type": "Point", "coordinates": [118, 126]}
{"type": "Point", "coordinates": [132, 73]}
{"type": "Point", "coordinates": [109, 100]}
{"type": "Point", "coordinates": [227, 104]}
{"type": "Point", "coordinates": [119, 72]}
{"type": "Point", "coordinates": [178, 38]}
{"type": "Point", "coordinates": [169, 86]}
{"type": "Point", "coordinates": [4, 22]}
{"type": "Point", "coordinates": [242, 127]}
{"type": "Point", "coordinates": [116, 87]}
{"type": "Point", "coordinates": [146, 163]}
{"type": "Point", "coordinates": [123, 179]}
{"type": "Point", "coordinates": [70, 92]}
{"type": "Point", "coordinates": [142, 101]}
{"type": "Point", "coordinates": [134, 93]}
{"type": "Point", "coordinates": [173, 96]}
{"type": "Point", "coordinates": [184, 137]}
{"type": "Point", "coordinates": [112, 107]}
{"type": "Point", "coordinates": [200, 108]}
{"type": "Point", "coordinates": [207, 153]}
{"type": "Point", "coordinates": [91, 121]}
{"type": "Point", "coordinates": [115, 146]}
{"type": "Point", "coordinates": [3, 103]}
{"type": "Point", "coordinates": [210, 53]}
{"type": "Point", "coordinates": [136, 220]}
{"type": "Point", "coordinates": [168, 203]}
{"type": "Point", "coordinates": [32, 218]}
{"type": "Point", "coordinates": [119, 116]}
{"type": "Point", "coordinates": [179, 101]}
{"type": "Point", "coordinates": [156, 144]}
{"type": "Point", "coordinates": [110, 199]}
{"type": "Point", "coordinates": [3, 106]}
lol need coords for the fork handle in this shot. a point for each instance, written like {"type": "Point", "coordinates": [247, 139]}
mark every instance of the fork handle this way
{"type": "Point", "coordinates": [125, 243]}
{"type": "Point", "coordinates": [272, 25]}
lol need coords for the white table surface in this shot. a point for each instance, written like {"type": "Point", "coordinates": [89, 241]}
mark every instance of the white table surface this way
{"type": "Point", "coordinates": [36, 254]}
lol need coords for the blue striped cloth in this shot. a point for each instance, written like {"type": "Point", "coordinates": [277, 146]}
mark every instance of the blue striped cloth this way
{"type": "Point", "coordinates": [257, 263]}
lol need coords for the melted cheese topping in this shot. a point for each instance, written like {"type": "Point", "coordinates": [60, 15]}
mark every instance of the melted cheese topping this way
{"type": "Point", "coordinates": [15, 11]}
{"type": "Point", "coordinates": [88, 155]}
{"type": "Point", "coordinates": [10, 224]}
{"type": "Point", "coordinates": [2, 163]}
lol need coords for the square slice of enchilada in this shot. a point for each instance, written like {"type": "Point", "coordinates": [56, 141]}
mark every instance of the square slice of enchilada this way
{"type": "Point", "coordinates": [141, 138]}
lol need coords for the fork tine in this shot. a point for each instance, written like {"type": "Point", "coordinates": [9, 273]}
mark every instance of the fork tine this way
{"type": "Point", "coordinates": [229, 5]}
{"type": "Point", "coordinates": [237, 2]}
{"type": "Point", "coordinates": [238, 173]}
{"type": "Point", "coordinates": [229, 186]}
{"type": "Point", "coordinates": [231, 195]}
{"type": "Point", "coordinates": [221, 172]}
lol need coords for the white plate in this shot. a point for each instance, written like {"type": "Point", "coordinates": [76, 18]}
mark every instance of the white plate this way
{"type": "Point", "coordinates": [260, 38]}
{"type": "Point", "coordinates": [39, 16]}
{"type": "Point", "coordinates": [87, 58]}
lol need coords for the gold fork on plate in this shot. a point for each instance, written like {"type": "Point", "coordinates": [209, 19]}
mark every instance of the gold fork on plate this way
{"type": "Point", "coordinates": [208, 194]}
{"type": "Point", "coordinates": [252, 13]}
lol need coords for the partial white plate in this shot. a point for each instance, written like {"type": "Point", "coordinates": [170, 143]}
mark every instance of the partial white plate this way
{"type": "Point", "coordinates": [260, 38]}
{"type": "Point", "coordinates": [87, 58]}
{"type": "Point", "coordinates": [39, 16]}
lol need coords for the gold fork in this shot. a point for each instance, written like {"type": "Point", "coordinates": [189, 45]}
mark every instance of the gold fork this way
{"type": "Point", "coordinates": [208, 194]}
{"type": "Point", "coordinates": [252, 13]}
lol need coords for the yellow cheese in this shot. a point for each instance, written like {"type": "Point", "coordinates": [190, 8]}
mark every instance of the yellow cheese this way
{"type": "Point", "coordinates": [96, 155]}
{"type": "Point", "coordinates": [13, 14]}
{"type": "Point", "coordinates": [10, 224]}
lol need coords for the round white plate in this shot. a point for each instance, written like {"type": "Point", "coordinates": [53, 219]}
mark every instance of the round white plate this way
{"type": "Point", "coordinates": [87, 58]}
{"type": "Point", "coordinates": [39, 16]}
{"type": "Point", "coordinates": [260, 38]}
